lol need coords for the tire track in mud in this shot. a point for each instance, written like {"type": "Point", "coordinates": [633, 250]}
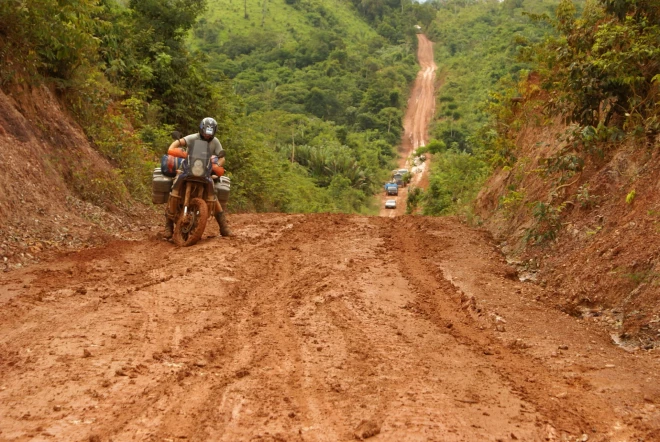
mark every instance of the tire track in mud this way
{"type": "Point", "coordinates": [443, 303]}
{"type": "Point", "coordinates": [568, 405]}
{"type": "Point", "coordinates": [314, 327]}
{"type": "Point", "coordinates": [421, 104]}
{"type": "Point", "coordinates": [346, 349]}
{"type": "Point", "coordinates": [119, 323]}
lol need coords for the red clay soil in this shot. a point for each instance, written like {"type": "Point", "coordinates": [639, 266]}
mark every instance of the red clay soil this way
{"type": "Point", "coordinates": [604, 261]}
{"type": "Point", "coordinates": [43, 148]}
{"type": "Point", "coordinates": [421, 103]}
{"type": "Point", "coordinates": [419, 112]}
{"type": "Point", "coordinates": [309, 327]}
{"type": "Point", "coordinates": [319, 327]}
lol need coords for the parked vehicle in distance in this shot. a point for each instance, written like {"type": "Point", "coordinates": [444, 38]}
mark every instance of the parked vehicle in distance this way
{"type": "Point", "coordinates": [403, 171]}
{"type": "Point", "coordinates": [390, 204]}
{"type": "Point", "coordinates": [398, 179]}
{"type": "Point", "coordinates": [391, 189]}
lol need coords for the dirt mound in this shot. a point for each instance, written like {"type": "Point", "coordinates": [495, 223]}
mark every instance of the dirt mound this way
{"type": "Point", "coordinates": [45, 153]}
{"type": "Point", "coordinates": [592, 236]}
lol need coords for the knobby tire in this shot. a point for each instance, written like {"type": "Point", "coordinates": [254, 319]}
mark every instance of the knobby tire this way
{"type": "Point", "coordinates": [180, 239]}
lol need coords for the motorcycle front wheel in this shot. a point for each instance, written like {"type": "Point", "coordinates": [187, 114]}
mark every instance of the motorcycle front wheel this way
{"type": "Point", "coordinates": [189, 229]}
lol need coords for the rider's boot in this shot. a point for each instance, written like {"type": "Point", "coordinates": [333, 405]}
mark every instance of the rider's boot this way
{"type": "Point", "coordinates": [221, 218]}
{"type": "Point", "coordinates": [169, 228]}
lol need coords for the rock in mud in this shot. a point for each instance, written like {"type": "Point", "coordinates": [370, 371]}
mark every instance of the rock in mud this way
{"type": "Point", "coordinates": [367, 429]}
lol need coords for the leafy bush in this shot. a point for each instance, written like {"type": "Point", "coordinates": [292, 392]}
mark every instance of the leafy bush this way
{"type": "Point", "coordinates": [51, 37]}
{"type": "Point", "coordinates": [547, 222]}
{"type": "Point", "coordinates": [602, 70]}
{"type": "Point", "coordinates": [455, 180]}
{"type": "Point", "coordinates": [511, 202]}
{"type": "Point", "coordinates": [415, 195]}
{"type": "Point", "coordinates": [585, 198]}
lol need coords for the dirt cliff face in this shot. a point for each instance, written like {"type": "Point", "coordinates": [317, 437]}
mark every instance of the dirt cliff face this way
{"type": "Point", "coordinates": [596, 246]}
{"type": "Point", "coordinates": [44, 151]}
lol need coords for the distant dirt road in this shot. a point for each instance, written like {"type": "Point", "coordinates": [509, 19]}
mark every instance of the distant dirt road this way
{"type": "Point", "coordinates": [421, 106]}
{"type": "Point", "coordinates": [309, 328]}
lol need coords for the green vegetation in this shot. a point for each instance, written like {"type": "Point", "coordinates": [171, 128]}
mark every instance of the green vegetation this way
{"type": "Point", "coordinates": [477, 50]}
{"type": "Point", "coordinates": [124, 72]}
{"type": "Point", "coordinates": [601, 71]}
{"type": "Point", "coordinates": [238, 25]}
{"type": "Point", "coordinates": [597, 67]}
{"type": "Point", "coordinates": [478, 43]}
{"type": "Point", "coordinates": [323, 85]}
{"type": "Point", "coordinates": [585, 199]}
{"type": "Point", "coordinates": [454, 180]}
{"type": "Point", "coordinates": [547, 222]}
{"type": "Point", "coordinates": [308, 94]}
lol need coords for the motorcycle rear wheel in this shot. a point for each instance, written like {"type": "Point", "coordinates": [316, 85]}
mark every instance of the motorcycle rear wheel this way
{"type": "Point", "coordinates": [190, 228]}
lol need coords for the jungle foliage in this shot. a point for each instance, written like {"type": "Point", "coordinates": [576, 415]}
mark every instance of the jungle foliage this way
{"type": "Point", "coordinates": [123, 69]}
{"type": "Point", "coordinates": [595, 64]}
{"type": "Point", "coordinates": [477, 49]}
{"type": "Point", "coordinates": [324, 84]}
{"type": "Point", "coordinates": [308, 94]}
{"type": "Point", "coordinates": [602, 71]}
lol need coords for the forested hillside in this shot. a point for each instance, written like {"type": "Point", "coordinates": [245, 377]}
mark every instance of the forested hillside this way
{"type": "Point", "coordinates": [573, 147]}
{"type": "Point", "coordinates": [323, 84]}
{"type": "Point", "coordinates": [308, 94]}
{"type": "Point", "coordinates": [123, 71]}
{"type": "Point", "coordinates": [478, 46]}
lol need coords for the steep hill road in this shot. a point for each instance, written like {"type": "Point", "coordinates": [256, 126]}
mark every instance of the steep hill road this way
{"type": "Point", "coordinates": [421, 106]}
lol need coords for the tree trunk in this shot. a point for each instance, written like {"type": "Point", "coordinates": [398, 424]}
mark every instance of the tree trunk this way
{"type": "Point", "coordinates": [263, 13]}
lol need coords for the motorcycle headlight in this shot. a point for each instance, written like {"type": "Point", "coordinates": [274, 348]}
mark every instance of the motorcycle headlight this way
{"type": "Point", "coordinates": [198, 168]}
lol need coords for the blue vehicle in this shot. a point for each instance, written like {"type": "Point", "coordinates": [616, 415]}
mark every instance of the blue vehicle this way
{"type": "Point", "coordinates": [392, 188]}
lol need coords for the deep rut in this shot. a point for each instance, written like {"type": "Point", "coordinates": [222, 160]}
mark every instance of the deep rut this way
{"type": "Point", "coordinates": [314, 327]}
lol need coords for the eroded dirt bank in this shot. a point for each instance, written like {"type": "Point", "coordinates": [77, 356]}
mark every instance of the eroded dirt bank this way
{"type": "Point", "coordinates": [309, 327]}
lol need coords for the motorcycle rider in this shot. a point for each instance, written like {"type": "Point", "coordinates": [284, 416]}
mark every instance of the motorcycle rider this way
{"type": "Point", "coordinates": [207, 130]}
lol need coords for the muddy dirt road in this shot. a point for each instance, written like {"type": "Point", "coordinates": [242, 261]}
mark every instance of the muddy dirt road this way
{"type": "Point", "coordinates": [419, 112]}
{"type": "Point", "coordinates": [309, 328]}
{"type": "Point", "coordinates": [421, 103]}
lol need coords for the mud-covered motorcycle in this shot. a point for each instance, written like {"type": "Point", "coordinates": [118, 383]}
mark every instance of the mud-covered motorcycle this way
{"type": "Point", "coordinates": [192, 199]}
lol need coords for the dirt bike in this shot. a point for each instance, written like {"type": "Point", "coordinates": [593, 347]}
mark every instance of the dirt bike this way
{"type": "Point", "coordinates": [192, 199]}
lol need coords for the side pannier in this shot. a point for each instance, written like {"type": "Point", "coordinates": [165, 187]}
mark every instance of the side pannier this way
{"type": "Point", "coordinates": [160, 187]}
{"type": "Point", "coordinates": [222, 187]}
